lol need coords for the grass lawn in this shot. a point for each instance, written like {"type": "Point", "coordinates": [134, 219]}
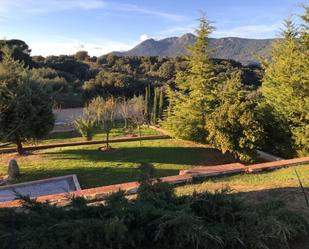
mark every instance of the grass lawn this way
{"type": "Point", "coordinates": [96, 168]}
{"type": "Point", "coordinates": [275, 185]}
{"type": "Point", "coordinates": [74, 136]}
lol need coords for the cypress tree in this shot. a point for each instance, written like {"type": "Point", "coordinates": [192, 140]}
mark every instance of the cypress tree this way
{"type": "Point", "coordinates": [285, 84]}
{"type": "Point", "coordinates": [161, 103]}
{"type": "Point", "coordinates": [147, 104]}
{"type": "Point", "coordinates": [155, 107]}
{"type": "Point", "coordinates": [195, 98]}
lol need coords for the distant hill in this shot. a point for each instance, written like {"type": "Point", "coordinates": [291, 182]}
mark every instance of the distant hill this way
{"type": "Point", "coordinates": [238, 49]}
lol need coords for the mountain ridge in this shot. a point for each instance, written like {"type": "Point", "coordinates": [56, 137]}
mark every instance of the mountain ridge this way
{"type": "Point", "coordinates": [243, 50]}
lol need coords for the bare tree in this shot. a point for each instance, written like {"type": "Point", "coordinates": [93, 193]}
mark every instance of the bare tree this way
{"type": "Point", "coordinates": [137, 113]}
{"type": "Point", "coordinates": [124, 110]}
{"type": "Point", "coordinates": [104, 111]}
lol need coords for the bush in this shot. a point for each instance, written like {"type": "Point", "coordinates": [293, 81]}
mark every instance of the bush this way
{"type": "Point", "coordinates": [157, 218]}
{"type": "Point", "coordinates": [85, 126]}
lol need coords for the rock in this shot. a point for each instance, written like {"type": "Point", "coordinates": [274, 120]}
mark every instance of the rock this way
{"type": "Point", "coordinates": [13, 169]}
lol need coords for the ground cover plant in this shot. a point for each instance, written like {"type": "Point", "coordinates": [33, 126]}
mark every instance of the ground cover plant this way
{"type": "Point", "coordinates": [156, 218]}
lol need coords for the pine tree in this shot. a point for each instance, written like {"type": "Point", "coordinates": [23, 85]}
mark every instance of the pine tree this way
{"type": "Point", "coordinates": [285, 84]}
{"type": "Point", "coordinates": [195, 98]}
{"type": "Point", "coordinates": [234, 126]}
{"type": "Point", "coordinates": [25, 107]}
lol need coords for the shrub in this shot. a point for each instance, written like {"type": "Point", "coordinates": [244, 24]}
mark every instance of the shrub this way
{"type": "Point", "coordinates": [156, 218]}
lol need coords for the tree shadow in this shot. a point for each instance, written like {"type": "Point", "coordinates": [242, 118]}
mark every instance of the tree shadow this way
{"type": "Point", "coordinates": [90, 177]}
{"type": "Point", "coordinates": [165, 155]}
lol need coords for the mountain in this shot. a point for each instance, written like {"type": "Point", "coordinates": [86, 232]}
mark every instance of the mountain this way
{"type": "Point", "coordinates": [238, 49]}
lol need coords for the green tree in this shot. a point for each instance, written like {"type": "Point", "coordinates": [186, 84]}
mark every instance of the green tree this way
{"type": "Point", "coordinates": [19, 50]}
{"type": "Point", "coordinates": [154, 115]}
{"type": "Point", "coordinates": [25, 107]}
{"type": "Point", "coordinates": [195, 98]}
{"type": "Point", "coordinates": [147, 104]}
{"type": "Point", "coordinates": [86, 124]}
{"type": "Point", "coordinates": [285, 84]}
{"type": "Point", "coordinates": [234, 126]}
{"type": "Point", "coordinates": [161, 103]}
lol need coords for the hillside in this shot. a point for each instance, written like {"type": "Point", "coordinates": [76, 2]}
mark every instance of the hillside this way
{"type": "Point", "coordinates": [238, 49]}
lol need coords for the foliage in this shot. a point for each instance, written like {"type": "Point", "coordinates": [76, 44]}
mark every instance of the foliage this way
{"type": "Point", "coordinates": [195, 99]}
{"type": "Point", "coordinates": [285, 84]}
{"type": "Point", "coordinates": [78, 78]}
{"type": "Point", "coordinates": [86, 124]}
{"type": "Point", "coordinates": [277, 137]}
{"type": "Point", "coordinates": [137, 112]}
{"type": "Point", "coordinates": [103, 112]}
{"type": "Point", "coordinates": [124, 110]}
{"type": "Point", "coordinates": [25, 107]}
{"type": "Point", "coordinates": [19, 49]}
{"type": "Point", "coordinates": [234, 126]}
{"type": "Point", "coordinates": [156, 218]}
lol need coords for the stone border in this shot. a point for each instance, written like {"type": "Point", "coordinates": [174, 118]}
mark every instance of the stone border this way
{"type": "Point", "coordinates": [115, 140]}
{"type": "Point", "coordinates": [185, 176]}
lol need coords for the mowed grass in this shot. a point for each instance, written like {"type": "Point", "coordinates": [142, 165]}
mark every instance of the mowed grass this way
{"type": "Point", "coordinates": [75, 136]}
{"type": "Point", "coordinates": [97, 168]}
{"type": "Point", "coordinates": [280, 185]}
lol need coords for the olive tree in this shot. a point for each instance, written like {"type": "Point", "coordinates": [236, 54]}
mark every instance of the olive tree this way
{"type": "Point", "coordinates": [25, 107]}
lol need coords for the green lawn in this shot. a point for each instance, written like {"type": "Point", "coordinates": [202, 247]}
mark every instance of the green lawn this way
{"type": "Point", "coordinates": [74, 136]}
{"type": "Point", "coordinates": [96, 168]}
{"type": "Point", "coordinates": [279, 184]}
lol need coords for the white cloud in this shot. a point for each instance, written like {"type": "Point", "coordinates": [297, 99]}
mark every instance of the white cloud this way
{"type": "Point", "coordinates": [71, 46]}
{"type": "Point", "coordinates": [178, 30]}
{"type": "Point", "coordinates": [250, 31]}
{"type": "Point", "coordinates": [9, 8]}
{"type": "Point", "coordinates": [144, 37]}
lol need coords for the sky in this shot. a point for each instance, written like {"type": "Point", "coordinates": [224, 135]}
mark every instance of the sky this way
{"type": "Point", "coordinates": [53, 27]}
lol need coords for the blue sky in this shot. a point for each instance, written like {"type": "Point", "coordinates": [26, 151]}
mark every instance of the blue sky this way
{"type": "Point", "coordinates": [100, 26]}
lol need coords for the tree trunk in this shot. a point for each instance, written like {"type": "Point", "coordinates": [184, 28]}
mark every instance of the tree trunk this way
{"type": "Point", "coordinates": [107, 140]}
{"type": "Point", "coordinates": [140, 135]}
{"type": "Point", "coordinates": [19, 145]}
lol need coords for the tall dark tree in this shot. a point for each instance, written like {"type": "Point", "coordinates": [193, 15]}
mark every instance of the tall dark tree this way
{"type": "Point", "coordinates": [20, 50]}
{"type": "Point", "coordinates": [161, 103]}
{"type": "Point", "coordinates": [285, 84]}
{"type": "Point", "coordinates": [195, 98]}
{"type": "Point", "coordinates": [25, 107]}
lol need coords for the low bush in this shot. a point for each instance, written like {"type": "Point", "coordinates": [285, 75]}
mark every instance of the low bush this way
{"type": "Point", "coordinates": [156, 218]}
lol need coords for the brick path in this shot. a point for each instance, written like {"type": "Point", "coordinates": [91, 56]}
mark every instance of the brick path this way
{"type": "Point", "coordinates": [184, 176]}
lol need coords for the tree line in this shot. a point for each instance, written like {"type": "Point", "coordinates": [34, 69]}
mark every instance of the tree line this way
{"type": "Point", "coordinates": [236, 118]}
{"type": "Point", "coordinates": [74, 80]}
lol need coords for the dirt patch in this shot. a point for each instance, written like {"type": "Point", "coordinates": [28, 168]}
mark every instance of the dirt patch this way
{"type": "Point", "coordinates": [33, 156]}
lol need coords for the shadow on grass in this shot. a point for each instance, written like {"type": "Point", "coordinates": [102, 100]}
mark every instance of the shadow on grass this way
{"type": "Point", "coordinates": [95, 176]}
{"type": "Point", "coordinates": [166, 155]}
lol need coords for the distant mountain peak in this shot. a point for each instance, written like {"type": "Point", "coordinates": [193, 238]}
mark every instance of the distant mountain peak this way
{"type": "Point", "coordinates": [239, 49]}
